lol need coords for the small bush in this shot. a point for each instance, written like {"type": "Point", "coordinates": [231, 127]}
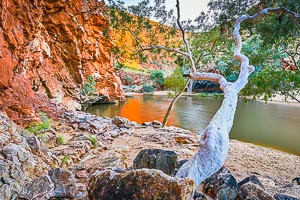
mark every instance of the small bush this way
{"type": "Point", "coordinates": [127, 79]}
{"type": "Point", "coordinates": [148, 88]}
{"type": "Point", "coordinates": [158, 77]}
{"type": "Point", "coordinates": [65, 159]}
{"type": "Point", "coordinates": [60, 140]}
{"type": "Point", "coordinates": [44, 125]}
{"type": "Point", "coordinates": [89, 87]}
{"type": "Point", "coordinates": [93, 140]}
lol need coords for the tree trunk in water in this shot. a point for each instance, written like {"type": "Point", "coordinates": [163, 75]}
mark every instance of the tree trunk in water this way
{"type": "Point", "coordinates": [170, 108]}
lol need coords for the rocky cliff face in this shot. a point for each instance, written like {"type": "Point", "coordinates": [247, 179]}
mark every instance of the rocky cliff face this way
{"type": "Point", "coordinates": [47, 50]}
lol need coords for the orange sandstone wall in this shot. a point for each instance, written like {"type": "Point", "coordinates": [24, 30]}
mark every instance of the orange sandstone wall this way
{"type": "Point", "coordinates": [47, 49]}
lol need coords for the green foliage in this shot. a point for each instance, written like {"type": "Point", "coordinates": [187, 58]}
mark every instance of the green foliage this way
{"type": "Point", "coordinates": [118, 65]}
{"type": "Point", "coordinates": [176, 81]}
{"type": "Point", "coordinates": [128, 79]}
{"type": "Point", "coordinates": [170, 94]}
{"type": "Point", "coordinates": [158, 77]}
{"type": "Point", "coordinates": [65, 159]}
{"type": "Point", "coordinates": [148, 88]}
{"type": "Point", "coordinates": [44, 125]}
{"type": "Point", "coordinates": [270, 82]}
{"type": "Point", "coordinates": [60, 140]}
{"type": "Point", "coordinates": [93, 140]}
{"type": "Point", "coordinates": [89, 87]}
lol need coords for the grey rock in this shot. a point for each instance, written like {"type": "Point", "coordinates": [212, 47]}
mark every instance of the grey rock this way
{"type": "Point", "coordinates": [253, 179]}
{"type": "Point", "coordinates": [156, 159]}
{"type": "Point", "coordinates": [120, 121]}
{"type": "Point", "coordinates": [38, 189]}
{"type": "Point", "coordinates": [251, 191]}
{"type": "Point", "coordinates": [146, 184]}
{"type": "Point", "coordinates": [63, 181]}
{"type": "Point", "coordinates": [222, 185]}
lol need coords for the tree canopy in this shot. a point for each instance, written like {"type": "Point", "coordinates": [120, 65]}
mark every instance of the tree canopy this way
{"type": "Point", "coordinates": [270, 43]}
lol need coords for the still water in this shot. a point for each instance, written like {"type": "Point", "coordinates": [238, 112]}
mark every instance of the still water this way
{"type": "Point", "coordinates": [271, 125]}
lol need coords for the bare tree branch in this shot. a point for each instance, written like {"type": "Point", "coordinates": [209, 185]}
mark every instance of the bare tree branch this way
{"type": "Point", "coordinates": [210, 77]}
{"type": "Point", "coordinates": [190, 55]}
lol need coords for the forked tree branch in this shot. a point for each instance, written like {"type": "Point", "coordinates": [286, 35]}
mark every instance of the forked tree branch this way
{"type": "Point", "coordinates": [214, 140]}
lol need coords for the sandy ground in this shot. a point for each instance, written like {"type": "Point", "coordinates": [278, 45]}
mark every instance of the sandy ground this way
{"type": "Point", "coordinates": [275, 169]}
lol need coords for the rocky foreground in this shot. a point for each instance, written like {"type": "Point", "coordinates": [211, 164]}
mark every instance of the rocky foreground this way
{"type": "Point", "coordinates": [82, 156]}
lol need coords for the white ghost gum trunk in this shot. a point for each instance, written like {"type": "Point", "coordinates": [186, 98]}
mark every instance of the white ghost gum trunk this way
{"type": "Point", "coordinates": [214, 140]}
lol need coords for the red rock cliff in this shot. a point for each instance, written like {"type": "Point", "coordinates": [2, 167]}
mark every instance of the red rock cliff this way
{"type": "Point", "coordinates": [47, 50]}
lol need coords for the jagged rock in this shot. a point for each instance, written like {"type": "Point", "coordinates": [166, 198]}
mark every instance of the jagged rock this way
{"type": "Point", "coordinates": [38, 189]}
{"type": "Point", "coordinates": [156, 159]}
{"type": "Point", "coordinates": [251, 191]}
{"type": "Point", "coordinates": [142, 184]}
{"type": "Point", "coordinates": [81, 192]}
{"type": "Point", "coordinates": [63, 181]}
{"type": "Point", "coordinates": [21, 161]}
{"type": "Point", "coordinates": [120, 121]}
{"type": "Point", "coordinates": [253, 179]}
{"type": "Point", "coordinates": [222, 185]}
{"type": "Point", "coordinates": [278, 196]}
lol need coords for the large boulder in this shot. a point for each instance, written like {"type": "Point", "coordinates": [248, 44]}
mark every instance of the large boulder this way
{"type": "Point", "coordinates": [142, 184]}
{"type": "Point", "coordinates": [251, 191]}
{"type": "Point", "coordinates": [156, 159]}
{"type": "Point", "coordinates": [222, 185]}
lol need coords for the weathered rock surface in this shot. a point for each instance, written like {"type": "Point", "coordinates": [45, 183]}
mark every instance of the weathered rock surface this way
{"type": "Point", "coordinates": [47, 50]}
{"type": "Point", "coordinates": [251, 191]}
{"type": "Point", "coordinates": [64, 185]}
{"type": "Point", "coordinates": [253, 179]}
{"type": "Point", "coordinates": [146, 184]}
{"type": "Point", "coordinates": [20, 163]}
{"type": "Point", "coordinates": [156, 159]}
{"type": "Point", "coordinates": [222, 185]}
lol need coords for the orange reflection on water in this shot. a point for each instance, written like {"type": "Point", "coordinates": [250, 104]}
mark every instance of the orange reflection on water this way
{"type": "Point", "coordinates": [141, 110]}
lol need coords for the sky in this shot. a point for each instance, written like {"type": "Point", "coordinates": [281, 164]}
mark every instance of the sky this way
{"type": "Point", "coordinates": [189, 8]}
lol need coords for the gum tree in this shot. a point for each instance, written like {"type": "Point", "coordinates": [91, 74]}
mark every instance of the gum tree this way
{"type": "Point", "coordinates": [214, 140]}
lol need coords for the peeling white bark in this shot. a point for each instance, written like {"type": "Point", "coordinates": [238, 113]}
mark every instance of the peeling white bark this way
{"type": "Point", "coordinates": [214, 140]}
